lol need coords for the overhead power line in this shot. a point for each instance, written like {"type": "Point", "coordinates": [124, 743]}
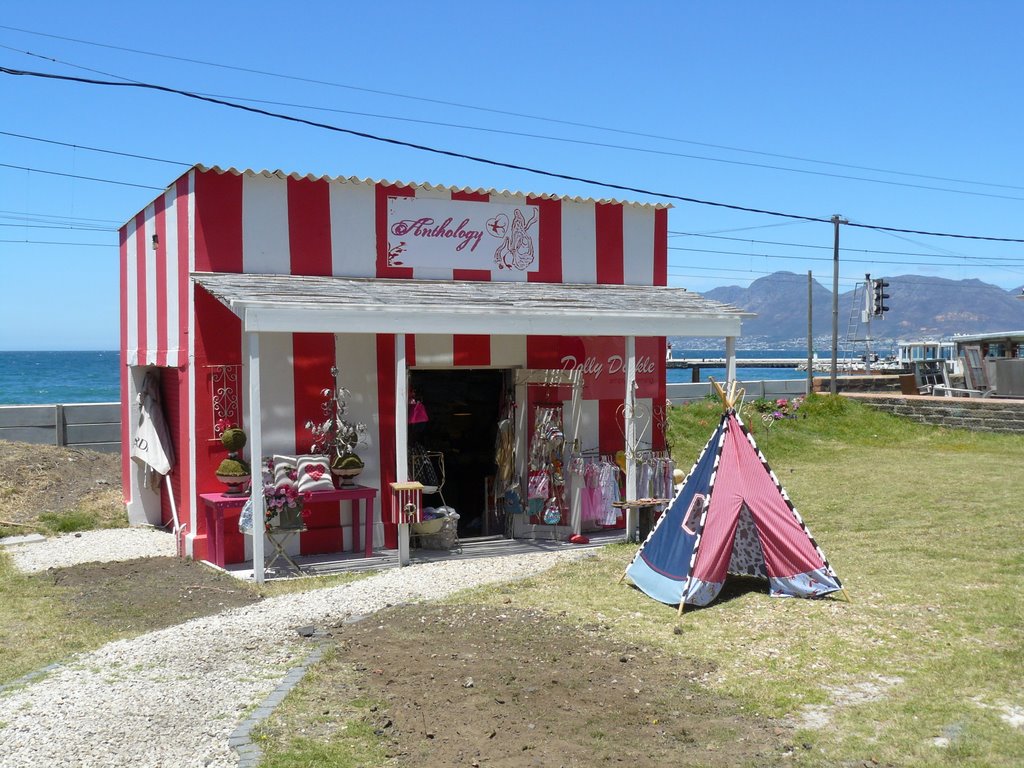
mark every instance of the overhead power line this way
{"type": "Point", "coordinates": [93, 149]}
{"type": "Point", "coordinates": [509, 113]}
{"type": "Point", "coordinates": [57, 242]}
{"type": "Point", "coordinates": [78, 176]}
{"type": "Point", "coordinates": [22, 225]}
{"type": "Point", "coordinates": [542, 137]}
{"type": "Point", "coordinates": [1016, 263]}
{"type": "Point", "coordinates": [477, 159]}
{"type": "Point", "coordinates": [845, 249]}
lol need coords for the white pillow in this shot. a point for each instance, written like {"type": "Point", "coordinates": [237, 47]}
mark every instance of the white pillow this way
{"type": "Point", "coordinates": [314, 474]}
{"type": "Point", "coordinates": [285, 471]}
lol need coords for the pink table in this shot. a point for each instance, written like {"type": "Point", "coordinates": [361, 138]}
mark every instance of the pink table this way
{"type": "Point", "coordinates": [361, 497]}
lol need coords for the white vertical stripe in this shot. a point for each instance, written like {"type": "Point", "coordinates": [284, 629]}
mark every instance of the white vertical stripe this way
{"type": "Point", "coordinates": [265, 226]}
{"type": "Point", "coordinates": [131, 277]}
{"type": "Point", "coordinates": [172, 209]}
{"type": "Point", "coordinates": [434, 351]}
{"type": "Point", "coordinates": [507, 351]}
{"type": "Point", "coordinates": [589, 434]}
{"type": "Point", "coordinates": [437, 273]}
{"type": "Point", "coordinates": [149, 256]}
{"type": "Point", "coordinates": [357, 372]}
{"type": "Point", "coordinates": [190, 211]}
{"type": "Point", "coordinates": [277, 384]}
{"type": "Point", "coordinates": [353, 230]}
{"type": "Point", "coordinates": [637, 245]}
{"type": "Point", "coordinates": [579, 243]}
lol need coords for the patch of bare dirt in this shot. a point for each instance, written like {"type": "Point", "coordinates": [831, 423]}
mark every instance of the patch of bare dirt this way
{"type": "Point", "coordinates": [137, 596]}
{"type": "Point", "coordinates": [483, 686]}
{"type": "Point", "coordinates": [40, 479]}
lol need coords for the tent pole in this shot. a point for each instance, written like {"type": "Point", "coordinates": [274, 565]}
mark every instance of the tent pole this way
{"type": "Point", "coordinates": [682, 605]}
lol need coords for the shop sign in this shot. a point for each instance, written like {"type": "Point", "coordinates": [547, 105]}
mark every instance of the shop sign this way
{"type": "Point", "coordinates": [457, 234]}
{"type": "Point", "coordinates": [602, 362]}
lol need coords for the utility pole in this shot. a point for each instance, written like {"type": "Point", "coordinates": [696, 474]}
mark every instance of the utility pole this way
{"type": "Point", "coordinates": [836, 221]}
{"type": "Point", "coordinates": [810, 333]}
{"type": "Point", "coordinates": [866, 313]}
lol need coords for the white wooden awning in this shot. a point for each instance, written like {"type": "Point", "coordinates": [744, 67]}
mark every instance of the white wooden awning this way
{"type": "Point", "coordinates": [292, 303]}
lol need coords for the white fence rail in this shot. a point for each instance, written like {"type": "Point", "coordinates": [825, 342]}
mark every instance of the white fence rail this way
{"type": "Point", "coordinates": [96, 426]}
{"type": "Point", "coordinates": [756, 390]}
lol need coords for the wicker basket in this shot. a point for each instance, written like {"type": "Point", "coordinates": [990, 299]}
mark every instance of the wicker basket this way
{"type": "Point", "coordinates": [428, 527]}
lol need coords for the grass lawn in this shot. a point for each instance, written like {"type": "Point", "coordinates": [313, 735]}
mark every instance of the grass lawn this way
{"type": "Point", "coordinates": [924, 667]}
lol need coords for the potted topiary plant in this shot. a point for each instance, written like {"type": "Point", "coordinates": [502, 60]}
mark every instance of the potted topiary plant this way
{"type": "Point", "coordinates": [336, 436]}
{"type": "Point", "coordinates": [234, 471]}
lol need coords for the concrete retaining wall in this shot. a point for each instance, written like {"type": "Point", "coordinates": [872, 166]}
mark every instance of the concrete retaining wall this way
{"type": "Point", "coordinates": [768, 390]}
{"type": "Point", "coordinates": [974, 413]}
{"type": "Point", "coordinates": [844, 384]}
{"type": "Point", "coordinates": [96, 426]}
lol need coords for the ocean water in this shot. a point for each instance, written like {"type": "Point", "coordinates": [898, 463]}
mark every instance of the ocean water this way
{"type": "Point", "coordinates": [42, 378]}
{"type": "Point", "coordinates": [685, 375]}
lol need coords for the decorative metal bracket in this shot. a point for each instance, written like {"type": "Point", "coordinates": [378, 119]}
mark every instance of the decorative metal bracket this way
{"type": "Point", "coordinates": [225, 397]}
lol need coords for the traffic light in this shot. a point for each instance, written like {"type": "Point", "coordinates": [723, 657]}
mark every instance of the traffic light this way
{"type": "Point", "coordinates": [879, 296]}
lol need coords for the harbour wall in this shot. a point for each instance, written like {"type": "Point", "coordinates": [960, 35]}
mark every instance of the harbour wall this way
{"type": "Point", "coordinates": [977, 414]}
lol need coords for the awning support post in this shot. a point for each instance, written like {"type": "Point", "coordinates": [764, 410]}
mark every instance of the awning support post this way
{"type": "Point", "coordinates": [629, 413]}
{"type": "Point", "coordinates": [402, 439]}
{"type": "Point", "coordinates": [255, 456]}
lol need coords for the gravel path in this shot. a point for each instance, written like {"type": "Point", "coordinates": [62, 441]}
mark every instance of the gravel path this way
{"type": "Point", "coordinates": [104, 546]}
{"type": "Point", "coordinates": [173, 697]}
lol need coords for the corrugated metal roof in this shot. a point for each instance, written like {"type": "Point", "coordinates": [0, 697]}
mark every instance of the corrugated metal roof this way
{"type": "Point", "coordinates": [292, 303]}
{"type": "Point", "coordinates": [424, 186]}
{"type": "Point", "coordinates": [991, 336]}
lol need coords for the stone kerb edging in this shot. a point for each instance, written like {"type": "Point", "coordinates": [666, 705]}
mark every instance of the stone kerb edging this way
{"type": "Point", "coordinates": [972, 413]}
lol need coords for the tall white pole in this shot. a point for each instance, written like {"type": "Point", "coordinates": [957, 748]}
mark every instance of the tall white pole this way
{"type": "Point", "coordinates": [730, 358]}
{"type": "Point", "coordinates": [836, 221]}
{"type": "Point", "coordinates": [401, 440]}
{"type": "Point", "coordinates": [255, 459]}
{"type": "Point", "coordinates": [810, 333]}
{"type": "Point", "coordinates": [629, 414]}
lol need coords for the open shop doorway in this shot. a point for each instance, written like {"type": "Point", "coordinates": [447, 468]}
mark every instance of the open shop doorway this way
{"type": "Point", "coordinates": [462, 408]}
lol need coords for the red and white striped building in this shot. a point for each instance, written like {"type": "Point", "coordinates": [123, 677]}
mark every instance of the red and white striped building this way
{"type": "Point", "coordinates": [281, 234]}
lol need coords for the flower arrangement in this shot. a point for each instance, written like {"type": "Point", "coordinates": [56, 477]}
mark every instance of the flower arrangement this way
{"type": "Point", "coordinates": [283, 501]}
{"type": "Point", "coordinates": [337, 436]}
{"type": "Point", "coordinates": [776, 410]}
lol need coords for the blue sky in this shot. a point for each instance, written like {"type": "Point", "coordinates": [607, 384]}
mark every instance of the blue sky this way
{"type": "Point", "coordinates": [683, 98]}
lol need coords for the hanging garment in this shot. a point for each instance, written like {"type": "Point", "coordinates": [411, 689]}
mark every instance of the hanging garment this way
{"type": "Point", "coordinates": [609, 493]}
{"type": "Point", "coordinates": [504, 456]}
{"type": "Point", "coordinates": [643, 480]}
{"type": "Point", "coordinates": [594, 505]}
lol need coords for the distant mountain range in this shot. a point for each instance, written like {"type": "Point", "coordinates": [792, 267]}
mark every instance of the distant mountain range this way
{"type": "Point", "coordinates": [919, 308]}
